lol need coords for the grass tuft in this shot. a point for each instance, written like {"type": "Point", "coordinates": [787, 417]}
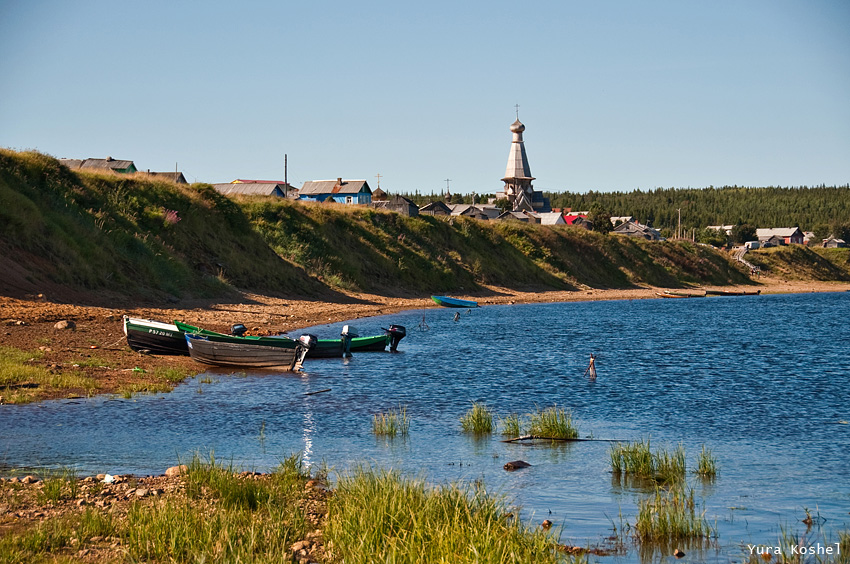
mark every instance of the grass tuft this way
{"type": "Point", "coordinates": [637, 460]}
{"type": "Point", "coordinates": [511, 425]}
{"type": "Point", "coordinates": [553, 422]}
{"type": "Point", "coordinates": [706, 464]}
{"type": "Point", "coordinates": [393, 422]}
{"type": "Point", "coordinates": [478, 420]}
{"type": "Point", "coordinates": [670, 515]}
{"type": "Point", "coordinates": [379, 516]}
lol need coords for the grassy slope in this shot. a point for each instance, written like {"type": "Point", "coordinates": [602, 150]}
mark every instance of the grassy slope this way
{"type": "Point", "coordinates": [105, 231]}
{"type": "Point", "coordinates": [96, 232]}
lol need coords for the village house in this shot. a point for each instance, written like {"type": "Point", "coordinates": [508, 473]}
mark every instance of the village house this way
{"type": "Point", "coordinates": [834, 243]}
{"type": "Point", "coordinates": [339, 190]}
{"type": "Point", "coordinates": [248, 188]}
{"type": "Point", "coordinates": [435, 208]}
{"type": "Point", "coordinates": [579, 221]}
{"type": "Point", "coordinates": [115, 165]}
{"type": "Point", "coordinates": [551, 218]}
{"type": "Point", "coordinates": [176, 177]}
{"type": "Point", "coordinates": [478, 211]}
{"type": "Point", "coordinates": [397, 204]}
{"type": "Point", "coordinates": [788, 235]}
{"type": "Point", "coordinates": [727, 229]}
{"type": "Point", "coordinates": [635, 229]}
{"type": "Point", "coordinates": [617, 220]}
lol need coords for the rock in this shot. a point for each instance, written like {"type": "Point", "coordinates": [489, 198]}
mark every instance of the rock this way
{"type": "Point", "coordinates": [100, 477]}
{"type": "Point", "coordinates": [65, 324]}
{"type": "Point", "coordinates": [299, 546]}
{"type": "Point", "coordinates": [516, 465]}
{"type": "Point", "coordinates": [547, 524]}
{"type": "Point", "coordinates": [141, 492]}
{"type": "Point", "coordinates": [29, 480]}
{"type": "Point", "coordinates": [176, 470]}
{"type": "Point", "coordinates": [678, 553]}
{"type": "Point", "coordinates": [82, 502]}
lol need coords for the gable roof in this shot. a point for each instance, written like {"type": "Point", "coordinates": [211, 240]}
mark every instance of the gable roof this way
{"type": "Point", "coordinates": [551, 218]}
{"type": "Point", "coordinates": [102, 164]}
{"type": "Point", "coordinates": [438, 206]}
{"type": "Point", "coordinates": [339, 186]}
{"type": "Point", "coordinates": [778, 232]}
{"type": "Point", "coordinates": [172, 176]}
{"type": "Point", "coordinates": [252, 189]}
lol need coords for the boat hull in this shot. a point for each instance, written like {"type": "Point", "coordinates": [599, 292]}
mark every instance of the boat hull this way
{"type": "Point", "coordinates": [154, 337]}
{"type": "Point", "coordinates": [333, 348]}
{"type": "Point", "coordinates": [447, 301]}
{"type": "Point", "coordinates": [214, 351]}
{"type": "Point", "coordinates": [733, 292]}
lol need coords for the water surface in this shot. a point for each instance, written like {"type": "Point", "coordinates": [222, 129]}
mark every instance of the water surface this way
{"type": "Point", "coordinates": [762, 381]}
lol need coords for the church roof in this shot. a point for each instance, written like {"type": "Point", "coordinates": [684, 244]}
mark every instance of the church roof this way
{"type": "Point", "coordinates": [517, 159]}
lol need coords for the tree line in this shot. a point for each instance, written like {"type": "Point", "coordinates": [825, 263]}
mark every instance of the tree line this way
{"type": "Point", "coordinates": [825, 210]}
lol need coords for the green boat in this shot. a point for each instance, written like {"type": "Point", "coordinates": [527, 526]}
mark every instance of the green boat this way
{"type": "Point", "coordinates": [325, 348]}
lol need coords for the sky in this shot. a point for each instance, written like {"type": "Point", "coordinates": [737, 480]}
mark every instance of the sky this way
{"type": "Point", "coordinates": [615, 94]}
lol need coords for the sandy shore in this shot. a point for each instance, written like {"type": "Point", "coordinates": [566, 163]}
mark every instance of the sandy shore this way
{"type": "Point", "coordinates": [97, 346]}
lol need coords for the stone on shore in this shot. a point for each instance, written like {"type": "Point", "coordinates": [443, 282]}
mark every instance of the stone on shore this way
{"type": "Point", "coordinates": [176, 470]}
{"type": "Point", "coordinates": [65, 324]}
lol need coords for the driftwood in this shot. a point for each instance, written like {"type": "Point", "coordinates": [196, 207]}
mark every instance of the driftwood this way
{"type": "Point", "coordinates": [542, 438]}
{"type": "Point", "coordinates": [317, 392]}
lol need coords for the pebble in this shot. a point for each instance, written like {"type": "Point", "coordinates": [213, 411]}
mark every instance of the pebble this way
{"type": "Point", "coordinates": [65, 324]}
{"type": "Point", "coordinates": [176, 470]}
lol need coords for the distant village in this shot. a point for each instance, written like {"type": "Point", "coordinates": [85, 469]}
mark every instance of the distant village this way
{"type": "Point", "coordinates": [518, 201]}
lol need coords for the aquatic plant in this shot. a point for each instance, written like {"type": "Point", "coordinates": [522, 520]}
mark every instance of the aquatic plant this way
{"type": "Point", "coordinates": [637, 459]}
{"type": "Point", "coordinates": [478, 420]}
{"type": "Point", "coordinates": [706, 464]}
{"type": "Point", "coordinates": [552, 423]}
{"type": "Point", "coordinates": [511, 425]}
{"type": "Point", "coordinates": [380, 516]}
{"type": "Point", "coordinates": [393, 422]}
{"type": "Point", "coordinates": [670, 515]}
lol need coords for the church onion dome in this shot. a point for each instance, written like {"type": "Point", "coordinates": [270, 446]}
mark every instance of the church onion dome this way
{"type": "Point", "coordinates": [517, 127]}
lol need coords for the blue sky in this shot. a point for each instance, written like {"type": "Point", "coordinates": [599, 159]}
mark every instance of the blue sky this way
{"type": "Point", "coordinates": [615, 95]}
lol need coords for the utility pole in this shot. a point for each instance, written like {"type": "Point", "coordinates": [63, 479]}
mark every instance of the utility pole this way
{"type": "Point", "coordinates": [679, 228]}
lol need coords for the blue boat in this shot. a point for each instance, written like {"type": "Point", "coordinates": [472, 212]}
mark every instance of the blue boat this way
{"type": "Point", "coordinates": [446, 301]}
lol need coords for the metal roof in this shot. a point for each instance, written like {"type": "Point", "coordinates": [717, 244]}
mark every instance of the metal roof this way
{"type": "Point", "coordinates": [318, 187]}
{"type": "Point", "coordinates": [251, 189]}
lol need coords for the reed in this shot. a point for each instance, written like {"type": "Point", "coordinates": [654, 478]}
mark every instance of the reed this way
{"type": "Point", "coordinates": [637, 460]}
{"type": "Point", "coordinates": [706, 464]}
{"type": "Point", "coordinates": [670, 515]}
{"type": "Point", "coordinates": [59, 485]}
{"type": "Point", "coordinates": [225, 517]}
{"type": "Point", "coordinates": [380, 516]}
{"type": "Point", "coordinates": [478, 420]}
{"type": "Point", "coordinates": [554, 423]}
{"type": "Point", "coordinates": [511, 425]}
{"type": "Point", "coordinates": [391, 423]}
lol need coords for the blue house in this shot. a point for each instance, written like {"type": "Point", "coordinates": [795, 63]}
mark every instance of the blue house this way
{"type": "Point", "coordinates": [339, 190]}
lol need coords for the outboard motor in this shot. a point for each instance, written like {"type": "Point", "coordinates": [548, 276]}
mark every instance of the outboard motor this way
{"type": "Point", "coordinates": [348, 333]}
{"type": "Point", "coordinates": [396, 333]}
{"type": "Point", "coordinates": [306, 343]}
{"type": "Point", "coordinates": [238, 330]}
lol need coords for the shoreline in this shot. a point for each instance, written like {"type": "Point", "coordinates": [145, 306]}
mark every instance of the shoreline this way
{"type": "Point", "coordinates": [96, 347]}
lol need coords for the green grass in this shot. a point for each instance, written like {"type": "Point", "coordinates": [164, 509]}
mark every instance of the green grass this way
{"type": "Point", "coordinates": [706, 464]}
{"type": "Point", "coordinates": [58, 486]}
{"type": "Point", "coordinates": [22, 381]}
{"type": "Point", "coordinates": [553, 423]}
{"type": "Point", "coordinates": [391, 423]}
{"type": "Point", "coordinates": [380, 516]}
{"type": "Point", "coordinates": [511, 425]}
{"type": "Point", "coordinates": [636, 459]}
{"type": "Point", "coordinates": [227, 517]}
{"type": "Point", "coordinates": [478, 420]}
{"type": "Point", "coordinates": [671, 515]}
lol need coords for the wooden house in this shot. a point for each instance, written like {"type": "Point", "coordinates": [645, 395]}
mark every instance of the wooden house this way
{"type": "Point", "coordinates": [115, 165]}
{"type": "Point", "coordinates": [339, 190]}
{"type": "Point", "coordinates": [252, 189]}
{"type": "Point", "coordinates": [398, 204]}
{"type": "Point", "coordinates": [635, 229]}
{"type": "Point", "coordinates": [834, 243]}
{"type": "Point", "coordinates": [435, 208]}
{"type": "Point", "coordinates": [788, 235]}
